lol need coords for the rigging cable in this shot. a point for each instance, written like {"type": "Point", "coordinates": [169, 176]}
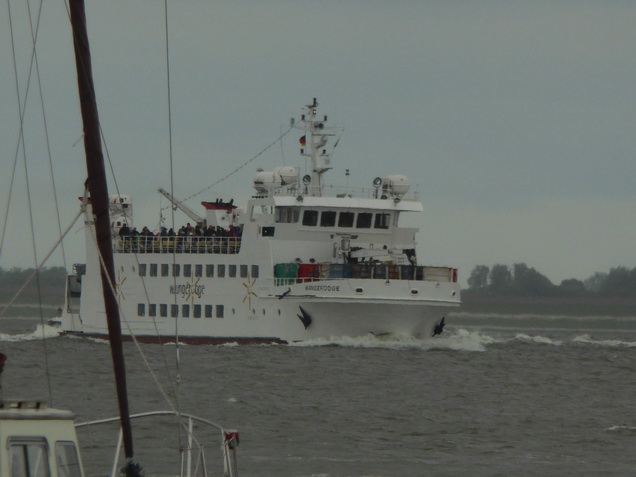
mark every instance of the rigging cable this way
{"type": "Point", "coordinates": [22, 111]}
{"type": "Point", "coordinates": [279, 138]}
{"type": "Point", "coordinates": [177, 381]}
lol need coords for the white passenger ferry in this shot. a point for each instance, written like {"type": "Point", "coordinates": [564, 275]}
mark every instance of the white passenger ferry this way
{"type": "Point", "coordinates": [301, 261]}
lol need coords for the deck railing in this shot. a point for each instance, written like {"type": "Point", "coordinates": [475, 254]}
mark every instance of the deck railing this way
{"type": "Point", "coordinates": [190, 244]}
{"type": "Point", "coordinates": [289, 273]}
{"type": "Point", "coordinates": [339, 191]}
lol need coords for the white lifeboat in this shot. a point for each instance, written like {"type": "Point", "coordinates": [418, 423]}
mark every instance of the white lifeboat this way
{"type": "Point", "coordinates": [396, 185]}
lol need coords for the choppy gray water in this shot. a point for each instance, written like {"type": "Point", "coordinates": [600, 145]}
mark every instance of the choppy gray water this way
{"type": "Point", "coordinates": [493, 396]}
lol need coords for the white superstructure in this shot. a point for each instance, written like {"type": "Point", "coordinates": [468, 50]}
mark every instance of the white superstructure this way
{"type": "Point", "coordinates": [301, 261]}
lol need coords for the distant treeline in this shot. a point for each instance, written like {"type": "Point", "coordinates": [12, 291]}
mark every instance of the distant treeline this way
{"type": "Point", "coordinates": [52, 283]}
{"type": "Point", "coordinates": [523, 281]}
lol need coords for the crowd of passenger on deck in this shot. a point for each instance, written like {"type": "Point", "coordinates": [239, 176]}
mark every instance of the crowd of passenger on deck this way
{"type": "Point", "coordinates": [187, 237]}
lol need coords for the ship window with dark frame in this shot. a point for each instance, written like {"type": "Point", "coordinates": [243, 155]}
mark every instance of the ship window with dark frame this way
{"type": "Point", "coordinates": [219, 311]}
{"type": "Point", "coordinates": [220, 270]}
{"type": "Point", "coordinates": [232, 271]}
{"type": "Point", "coordinates": [152, 310]}
{"type": "Point", "coordinates": [310, 217]}
{"type": "Point", "coordinates": [142, 269]}
{"type": "Point", "coordinates": [209, 271]}
{"type": "Point", "coordinates": [364, 220]}
{"type": "Point", "coordinates": [163, 310]}
{"type": "Point", "coordinates": [174, 311]}
{"type": "Point", "coordinates": [345, 219]}
{"type": "Point", "coordinates": [141, 309]}
{"type": "Point", "coordinates": [153, 269]}
{"type": "Point", "coordinates": [328, 218]}
{"type": "Point", "coordinates": [176, 269]}
{"type": "Point", "coordinates": [29, 458]}
{"type": "Point", "coordinates": [254, 271]}
{"type": "Point", "coordinates": [244, 271]}
{"type": "Point", "coordinates": [196, 311]}
{"type": "Point", "coordinates": [185, 311]}
{"type": "Point", "coordinates": [382, 221]}
{"type": "Point", "coordinates": [68, 464]}
{"type": "Point", "coordinates": [198, 270]}
{"type": "Point", "coordinates": [187, 270]}
{"type": "Point", "coordinates": [288, 215]}
{"type": "Point", "coordinates": [165, 269]}
{"type": "Point", "coordinates": [208, 311]}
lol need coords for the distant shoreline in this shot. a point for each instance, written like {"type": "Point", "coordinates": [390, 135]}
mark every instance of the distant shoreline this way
{"type": "Point", "coordinates": [570, 306]}
{"type": "Point", "coordinates": [30, 310]}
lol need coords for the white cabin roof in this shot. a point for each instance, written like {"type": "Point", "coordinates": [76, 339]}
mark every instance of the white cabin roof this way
{"type": "Point", "coordinates": [31, 410]}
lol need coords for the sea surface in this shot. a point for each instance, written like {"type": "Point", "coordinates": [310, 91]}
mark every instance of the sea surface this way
{"type": "Point", "coordinates": [493, 396]}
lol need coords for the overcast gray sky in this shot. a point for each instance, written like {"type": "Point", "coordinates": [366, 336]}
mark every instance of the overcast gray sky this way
{"type": "Point", "coordinates": [514, 118]}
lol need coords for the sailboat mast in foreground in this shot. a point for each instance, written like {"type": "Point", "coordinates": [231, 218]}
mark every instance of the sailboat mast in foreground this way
{"type": "Point", "coordinates": [98, 189]}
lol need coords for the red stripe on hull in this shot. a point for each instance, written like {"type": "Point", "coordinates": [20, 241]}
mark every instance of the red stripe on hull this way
{"type": "Point", "coordinates": [190, 340]}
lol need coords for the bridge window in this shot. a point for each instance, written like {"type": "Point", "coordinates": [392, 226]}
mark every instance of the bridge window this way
{"type": "Point", "coordinates": [288, 215]}
{"type": "Point", "coordinates": [364, 220]}
{"type": "Point", "coordinates": [345, 219]}
{"type": "Point", "coordinates": [328, 218]}
{"type": "Point", "coordinates": [382, 221]}
{"type": "Point", "coordinates": [310, 217]}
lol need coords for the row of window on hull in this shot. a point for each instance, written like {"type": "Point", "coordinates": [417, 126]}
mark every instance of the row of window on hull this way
{"type": "Point", "coordinates": [181, 311]}
{"type": "Point", "coordinates": [175, 269]}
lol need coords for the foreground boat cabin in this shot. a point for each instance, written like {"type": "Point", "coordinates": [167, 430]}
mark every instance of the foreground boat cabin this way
{"type": "Point", "coordinates": [37, 441]}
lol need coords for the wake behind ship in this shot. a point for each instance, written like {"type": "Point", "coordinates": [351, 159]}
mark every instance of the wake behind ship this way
{"type": "Point", "coordinates": [301, 261]}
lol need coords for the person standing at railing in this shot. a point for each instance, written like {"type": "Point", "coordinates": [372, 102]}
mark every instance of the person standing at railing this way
{"type": "Point", "coordinates": [146, 239]}
{"type": "Point", "coordinates": [134, 235]}
{"type": "Point", "coordinates": [124, 234]}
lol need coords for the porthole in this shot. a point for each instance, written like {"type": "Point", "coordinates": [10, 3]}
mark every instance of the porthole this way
{"type": "Point", "coordinates": [359, 290]}
{"type": "Point", "coordinates": [414, 292]}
